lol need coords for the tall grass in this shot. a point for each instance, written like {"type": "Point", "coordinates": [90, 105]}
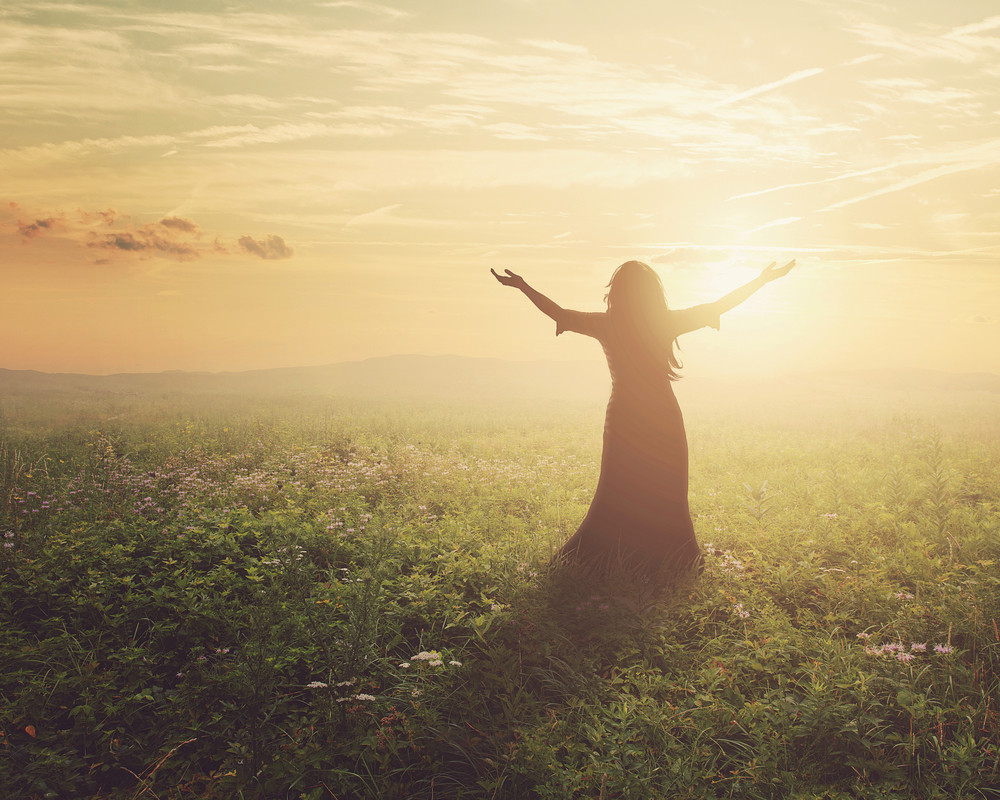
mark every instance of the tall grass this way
{"type": "Point", "coordinates": [320, 599]}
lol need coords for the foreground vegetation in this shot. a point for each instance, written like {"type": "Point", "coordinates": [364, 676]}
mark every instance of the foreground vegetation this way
{"type": "Point", "coordinates": [317, 599]}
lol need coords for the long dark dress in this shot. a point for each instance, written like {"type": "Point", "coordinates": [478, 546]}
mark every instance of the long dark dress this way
{"type": "Point", "coordinates": [640, 509]}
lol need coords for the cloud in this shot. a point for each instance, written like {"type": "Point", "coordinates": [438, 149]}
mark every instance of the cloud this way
{"type": "Point", "coordinates": [157, 238]}
{"type": "Point", "coordinates": [775, 223]}
{"type": "Point", "coordinates": [832, 178]}
{"type": "Point", "coordinates": [29, 230]}
{"type": "Point", "coordinates": [962, 43]}
{"type": "Point", "coordinates": [915, 180]}
{"type": "Point", "coordinates": [377, 215]}
{"type": "Point", "coordinates": [372, 8]}
{"type": "Point", "coordinates": [556, 47]}
{"type": "Point", "coordinates": [272, 247]}
{"type": "Point", "coordinates": [179, 223]}
{"type": "Point", "coordinates": [981, 319]}
{"type": "Point", "coordinates": [795, 77]}
{"type": "Point", "coordinates": [118, 235]}
{"type": "Point", "coordinates": [923, 92]}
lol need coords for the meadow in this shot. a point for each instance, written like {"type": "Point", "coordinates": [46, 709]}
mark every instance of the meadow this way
{"type": "Point", "coordinates": [318, 597]}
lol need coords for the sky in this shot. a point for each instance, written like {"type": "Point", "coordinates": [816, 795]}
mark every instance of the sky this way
{"type": "Point", "coordinates": [224, 186]}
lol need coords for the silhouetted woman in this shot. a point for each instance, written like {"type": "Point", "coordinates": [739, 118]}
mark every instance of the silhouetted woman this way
{"type": "Point", "coordinates": [640, 510]}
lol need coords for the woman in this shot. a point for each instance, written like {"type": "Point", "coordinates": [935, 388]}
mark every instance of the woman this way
{"type": "Point", "coordinates": [639, 513]}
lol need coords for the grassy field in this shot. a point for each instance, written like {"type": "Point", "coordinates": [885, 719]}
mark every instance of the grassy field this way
{"type": "Point", "coordinates": [319, 598]}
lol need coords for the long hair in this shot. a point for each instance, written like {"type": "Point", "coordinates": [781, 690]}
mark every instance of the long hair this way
{"type": "Point", "coordinates": [637, 308]}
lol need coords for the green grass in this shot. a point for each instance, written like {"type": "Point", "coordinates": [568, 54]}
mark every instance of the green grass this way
{"type": "Point", "coordinates": [318, 599]}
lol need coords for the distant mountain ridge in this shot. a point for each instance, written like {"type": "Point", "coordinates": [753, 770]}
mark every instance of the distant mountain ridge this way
{"type": "Point", "coordinates": [403, 375]}
{"type": "Point", "coordinates": [450, 376]}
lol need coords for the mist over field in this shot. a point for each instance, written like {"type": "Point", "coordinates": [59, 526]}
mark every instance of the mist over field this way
{"type": "Point", "coordinates": [338, 581]}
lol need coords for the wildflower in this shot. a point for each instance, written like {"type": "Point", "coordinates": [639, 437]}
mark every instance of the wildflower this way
{"type": "Point", "coordinates": [455, 663]}
{"type": "Point", "coordinates": [364, 697]}
{"type": "Point", "coordinates": [351, 682]}
{"type": "Point", "coordinates": [864, 636]}
{"type": "Point", "coordinates": [904, 596]}
{"type": "Point", "coordinates": [404, 665]}
{"type": "Point", "coordinates": [437, 662]}
{"type": "Point", "coordinates": [426, 655]}
{"type": "Point", "coordinates": [943, 649]}
{"type": "Point", "coordinates": [918, 647]}
{"type": "Point", "coordinates": [904, 656]}
{"type": "Point", "coordinates": [316, 685]}
{"type": "Point", "coordinates": [831, 515]}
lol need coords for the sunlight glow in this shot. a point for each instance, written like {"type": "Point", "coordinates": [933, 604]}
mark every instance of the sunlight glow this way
{"type": "Point", "coordinates": [343, 175]}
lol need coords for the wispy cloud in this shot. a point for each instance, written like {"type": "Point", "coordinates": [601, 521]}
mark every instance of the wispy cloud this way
{"type": "Point", "coordinates": [774, 223]}
{"type": "Point", "coordinates": [830, 179]}
{"type": "Point", "coordinates": [962, 43]}
{"type": "Point", "coordinates": [795, 77]}
{"type": "Point", "coordinates": [920, 91]}
{"type": "Point", "coordinates": [378, 9]}
{"type": "Point", "coordinates": [378, 215]}
{"type": "Point", "coordinates": [972, 158]}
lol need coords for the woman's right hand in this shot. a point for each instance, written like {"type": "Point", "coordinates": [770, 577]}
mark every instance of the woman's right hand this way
{"type": "Point", "coordinates": [510, 279]}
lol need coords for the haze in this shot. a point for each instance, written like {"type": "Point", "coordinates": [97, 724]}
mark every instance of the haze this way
{"type": "Point", "coordinates": [237, 186]}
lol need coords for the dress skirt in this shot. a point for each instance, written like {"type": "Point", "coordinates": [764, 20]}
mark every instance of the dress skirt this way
{"type": "Point", "coordinates": [640, 512]}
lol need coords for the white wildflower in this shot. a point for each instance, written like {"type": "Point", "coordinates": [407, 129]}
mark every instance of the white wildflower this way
{"type": "Point", "coordinates": [426, 655]}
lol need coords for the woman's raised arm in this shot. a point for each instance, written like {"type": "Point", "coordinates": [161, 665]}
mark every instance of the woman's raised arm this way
{"type": "Point", "coordinates": [542, 303]}
{"type": "Point", "coordinates": [737, 296]}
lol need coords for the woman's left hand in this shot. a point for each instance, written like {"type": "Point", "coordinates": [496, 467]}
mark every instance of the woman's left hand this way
{"type": "Point", "coordinates": [772, 272]}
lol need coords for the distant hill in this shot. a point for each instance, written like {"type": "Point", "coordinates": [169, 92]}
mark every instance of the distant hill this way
{"type": "Point", "coordinates": [391, 376]}
{"type": "Point", "coordinates": [459, 377]}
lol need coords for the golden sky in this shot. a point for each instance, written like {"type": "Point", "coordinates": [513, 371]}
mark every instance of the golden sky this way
{"type": "Point", "coordinates": [235, 185]}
